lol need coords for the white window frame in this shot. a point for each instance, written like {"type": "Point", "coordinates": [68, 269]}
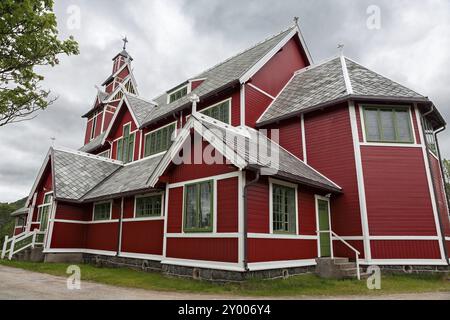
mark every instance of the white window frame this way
{"type": "Point", "coordinates": [93, 127]}
{"type": "Point", "coordinates": [99, 203]}
{"type": "Point", "coordinates": [175, 134]}
{"type": "Point", "coordinates": [146, 196]}
{"type": "Point", "coordinates": [289, 185]}
{"type": "Point", "coordinates": [215, 105]}
{"type": "Point", "coordinates": [42, 205]}
{"type": "Point", "coordinates": [189, 89]}
{"type": "Point", "coordinates": [392, 144]}
{"type": "Point", "coordinates": [121, 137]}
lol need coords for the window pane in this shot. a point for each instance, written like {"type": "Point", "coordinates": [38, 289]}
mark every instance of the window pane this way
{"type": "Point", "coordinates": [403, 126]}
{"type": "Point", "coordinates": [102, 211]}
{"type": "Point", "coordinates": [284, 209]}
{"type": "Point", "coordinates": [148, 206]}
{"type": "Point", "coordinates": [205, 205]}
{"type": "Point", "coordinates": [387, 124]}
{"type": "Point", "coordinates": [219, 112]}
{"type": "Point", "coordinates": [371, 119]}
{"type": "Point", "coordinates": [191, 207]}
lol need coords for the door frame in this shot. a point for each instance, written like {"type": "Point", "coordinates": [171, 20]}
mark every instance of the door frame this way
{"type": "Point", "coordinates": [317, 198]}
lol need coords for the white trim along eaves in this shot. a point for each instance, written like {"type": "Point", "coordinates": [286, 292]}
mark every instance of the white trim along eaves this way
{"type": "Point", "coordinates": [39, 176]}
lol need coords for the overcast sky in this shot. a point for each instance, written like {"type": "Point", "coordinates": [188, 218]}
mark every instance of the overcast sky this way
{"type": "Point", "coordinates": [171, 40]}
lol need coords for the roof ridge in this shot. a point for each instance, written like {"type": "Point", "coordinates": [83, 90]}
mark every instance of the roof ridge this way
{"type": "Point", "coordinates": [140, 98]}
{"type": "Point", "coordinates": [87, 155]}
{"type": "Point", "coordinates": [345, 73]}
{"type": "Point", "coordinates": [313, 66]}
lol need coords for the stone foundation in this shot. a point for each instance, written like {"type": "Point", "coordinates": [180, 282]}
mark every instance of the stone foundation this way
{"type": "Point", "coordinates": [64, 258]}
{"type": "Point", "coordinates": [407, 269]}
{"type": "Point", "coordinates": [121, 262]}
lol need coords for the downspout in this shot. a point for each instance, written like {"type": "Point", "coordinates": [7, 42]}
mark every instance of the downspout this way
{"type": "Point", "coordinates": [445, 189]}
{"type": "Point", "coordinates": [119, 244]}
{"type": "Point", "coordinates": [247, 185]}
{"type": "Point", "coordinates": [434, 187]}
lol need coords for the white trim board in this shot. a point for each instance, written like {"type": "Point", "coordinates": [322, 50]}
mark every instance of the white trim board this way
{"type": "Point", "coordinates": [79, 250]}
{"type": "Point", "coordinates": [396, 262]}
{"type": "Point", "coordinates": [270, 265]}
{"type": "Point", "coordinates": [228, 266]}
{"type": "Point", "coordinates": [143, 256]}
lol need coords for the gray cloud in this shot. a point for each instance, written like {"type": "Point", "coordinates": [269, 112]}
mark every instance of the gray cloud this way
{"type": "Point", "coordinates": [173, 40]}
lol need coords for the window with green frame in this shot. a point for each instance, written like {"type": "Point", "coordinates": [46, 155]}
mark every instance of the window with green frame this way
{"type": "Point", "coordinates": [125, 145]}
{"type": "Point", "coordinates": [102, 211]}
{"type": "Point", "coordinates": [148, 206]}
{"type": "Point", "coordinates": [159, 140]}
{"type": "Point", "coordinates": [198, 207]}
{"type": "Point", "coordinates": [430, 136]}
{"type": "Point", "coordinates": [388, 124]}
{"type": "Point", "coordinates": [219, 112]}
{"type": "Point", "coordinates": [177, 95]}
{"type": "Point", "coordinates": [284, 219]}
{"type": "Point", "coordinates": [44, 211]}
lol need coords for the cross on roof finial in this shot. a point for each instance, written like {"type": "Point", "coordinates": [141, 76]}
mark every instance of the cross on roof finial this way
{"type": "Point", "coordinates": [341, 49]}
{"type": "Point", "coordinates": [125, 41]}
{"type": "Point", "coordinates": [296, 20]}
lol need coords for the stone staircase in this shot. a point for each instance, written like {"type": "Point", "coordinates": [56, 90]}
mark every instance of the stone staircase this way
{"type": "Point", "coordinates": [30, 254]}
{"type": "Point", "coordinates": [338, 268]}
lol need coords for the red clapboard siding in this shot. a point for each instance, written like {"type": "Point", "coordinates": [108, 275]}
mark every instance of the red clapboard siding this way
{"type": "Point", "coordinates": [227, 205]}
{"type": "Point", "coordinates": [330, 150]}
{"type": "Point", "coordinates": [175, 206]}
{"type": "Point", "coordinates": [306, 212]}
{"type": "Point", "coordinates": [416, 126]}
{"type": "Point", "coordinates": [290, 136]}
{"type": "Point", "coordinates": [98, 128]}
{"type": "Point", "coordinates": [145, 237]}
{"type": "Point", "coordinates": [211, 249]}
{"type": "Point", "coordinates": [68, 235]}
{"type": "Point", "coordinates": [440, 193]}
{"type": "Point", "coordinates": [359, 123]}
{"type": "Point", "coordinates": [123, 118]}
{"type": "Point", "coordinates": [186, 172]}
{"type": "Point", "coordinates": [78, 212]}
{"type": "Point", "coordinates": [88, 132]}
{"type": "Point", "coordinates": [196, 84]}
{"type": "Point", "coordinates": [102, 236]}
{"type": "Point", "coordinates": [255, 105]}
{"type": "Point", "coordinates": [341, 250]}
{"type": "Point", "coordinates": [128, 208]}
{"type": "Point", "coordinates": [397, 194]}
{"type": "Point", "coordinates": [260, 250]}
{"type": "Point", "coordinates": [401, 249]}
{"type": "Point", "coordinates": [448, 245]}
{"type": "Point", "coordinates": [258, 206]}
{"type": "Point", "coordinates": [274, 75]}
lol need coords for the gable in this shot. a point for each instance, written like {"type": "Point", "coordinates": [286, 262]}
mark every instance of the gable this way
{"type": "Point", "coordinates": [122, 117]}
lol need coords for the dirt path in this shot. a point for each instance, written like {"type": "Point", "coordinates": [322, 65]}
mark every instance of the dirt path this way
{"type": "Point", "coordinates": [26, 285]}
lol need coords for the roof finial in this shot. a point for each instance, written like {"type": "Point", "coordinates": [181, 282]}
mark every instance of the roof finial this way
{"type": "Point", "coordinates": [53, 139]}
{"type": "Point", "coordinates": [341, 49]}
{"type": "Point", "coordinates": [194, 99]}
{"type": "Point", "coordinates": [125, 41]}
{"type": "Point", "coordinates": [296, 20]}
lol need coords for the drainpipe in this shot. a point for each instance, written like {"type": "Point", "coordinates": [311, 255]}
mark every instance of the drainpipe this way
{"type": "Point", "coordinates": [247, 185]}
{"type": "Point", "coordinates": [119, 244]}
{"type": "Point", "coordinates": [441, 227]}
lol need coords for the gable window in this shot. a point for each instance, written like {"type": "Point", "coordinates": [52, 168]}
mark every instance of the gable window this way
{"type": "Point", "coordinates": [148, 206]}
{"type": "Point", "coordinates": [198, 207]}
{"type": "Point", "coordinates": [44, 211]}
{"type": "Point", "coordinates": [178, 94]}
{"type": "Point", "coordinates": [388, 124]}
{"type": "Point", "coordinates": [220, 111]}
{"type": "Point", "coordinates": [125, 145]}
{"type": "Point", "coordinates": [429, 135]}
{"type": "Point", "coordinates": [159, 140]}
{"type": "Point", "coordinates": [284, 209]}
{"type": "Point", "coordinates": [94, 127]}
{"type": "Point", "coordinates": [102, 211]}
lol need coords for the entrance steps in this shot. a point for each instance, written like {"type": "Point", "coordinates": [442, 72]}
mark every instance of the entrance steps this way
{"type": "Point", "coordinates": [338, 268]}
{"type": "Point", "coordinates": [32, 255]}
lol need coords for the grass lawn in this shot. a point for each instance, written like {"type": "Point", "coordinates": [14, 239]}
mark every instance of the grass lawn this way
{"type": "Point", "coordinates": [308, 285]}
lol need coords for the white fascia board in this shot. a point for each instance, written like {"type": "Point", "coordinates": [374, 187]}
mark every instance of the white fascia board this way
{"type": "Point", "coordinates": [258, 65]}
{"type": "Point", "coordinates": [39, 176]}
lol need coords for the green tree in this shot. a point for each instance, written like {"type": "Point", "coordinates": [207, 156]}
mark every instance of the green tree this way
{"type": "Point", "coordinates": [447, 175]}
{"type": "Point", "coordinates": [28, 38]}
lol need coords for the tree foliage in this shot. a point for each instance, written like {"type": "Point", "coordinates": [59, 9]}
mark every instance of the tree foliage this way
{"type": "Point", "coordinates": [28, 38]}
{"type": "Point", "coordinates": [447, 175]}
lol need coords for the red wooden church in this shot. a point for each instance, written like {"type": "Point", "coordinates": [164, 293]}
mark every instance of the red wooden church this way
{"type": "Point", "coordinates": [348, 165]}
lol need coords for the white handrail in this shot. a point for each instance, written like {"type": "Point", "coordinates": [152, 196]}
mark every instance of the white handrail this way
{"type": "Point", "coordinates": [357, 253]}
{"type": "Point", "coordinates": [16, 239]}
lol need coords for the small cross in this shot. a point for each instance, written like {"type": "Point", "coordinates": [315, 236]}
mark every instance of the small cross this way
{"type": "Point", "coordinates": [341, 48]}
{"type": "Point", "coordinates": [296, 20]}
{"type": "Point", "coordinates": [53, 141]}
{"type": "Point", "coordinates": [125, 41]}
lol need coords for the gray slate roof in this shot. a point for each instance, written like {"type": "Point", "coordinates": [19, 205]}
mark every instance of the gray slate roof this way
{"type": "Point", "coordinates": [285, 165]}
{"type": "Point", "coordinates": [140, 107]}
{"type": "Point", "coordinates": [93, 144]}
{"type": "Point", "coordinates": [20, 212]}
{"type": "Point", "coordinates": [77, 173]}
{"type": "Point", "coordinates": [130, 178]}
{"type": "Point", "coordinates": [323, 83]}
{"type": "Point", "coordinates": [220, 75]}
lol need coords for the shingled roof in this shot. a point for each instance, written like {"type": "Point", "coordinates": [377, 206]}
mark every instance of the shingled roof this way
{"type": "Point", "coordinates": [327, 83]}
{"type": "Point", "coordinates": [76, 173]}
{"type": "Point", "coordinates": [94, 144]}
{"type": "Point", "coordinates": [130, 178]}
{"type": "Point", "coordinates": [221, 75]}
{"type": "Point", "coordinates": [140, 107]}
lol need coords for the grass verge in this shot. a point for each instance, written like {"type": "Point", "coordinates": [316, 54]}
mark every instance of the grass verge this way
{"type": "Point", "coordinates": [304, 285]}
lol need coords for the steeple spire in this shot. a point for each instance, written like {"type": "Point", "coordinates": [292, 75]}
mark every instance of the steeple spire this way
{"type": "Point", "coordinates": [125, 41]}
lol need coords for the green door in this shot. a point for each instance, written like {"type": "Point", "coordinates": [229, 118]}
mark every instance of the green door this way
{"type": "Point", "coordinates": [324, 225]}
